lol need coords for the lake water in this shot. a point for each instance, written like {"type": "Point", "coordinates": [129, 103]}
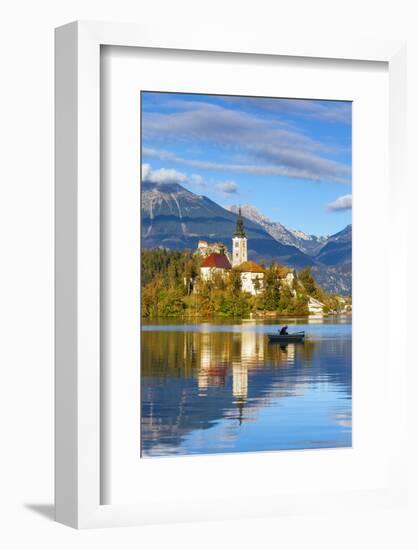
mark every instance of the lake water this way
{"type": "Point", "coordinates": [223, 388]}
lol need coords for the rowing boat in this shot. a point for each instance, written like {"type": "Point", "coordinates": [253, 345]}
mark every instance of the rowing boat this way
{"type": "Point", "coordinates": [286, 338]}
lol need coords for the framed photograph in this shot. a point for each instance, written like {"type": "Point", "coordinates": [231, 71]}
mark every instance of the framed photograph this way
{"type": "Point", "coordinates": [246, 338]}
{"type": "Point", "coordinates": [225, 275]}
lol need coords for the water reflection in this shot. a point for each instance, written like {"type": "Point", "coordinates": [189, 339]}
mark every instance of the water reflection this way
{"type": "Point", "coordinates": [221, 388]}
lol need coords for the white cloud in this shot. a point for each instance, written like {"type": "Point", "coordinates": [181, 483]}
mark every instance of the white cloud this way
{"type": "Point", "coordinates": [162, 176]}
{"type": "Point", "coordinates": [279, 163]}
{"type": "Point", "coordinates": [328, 111]}
{"type": "Point", "coordinates": [341, 204]}
{"type": "Point", "coordinates": [169, 176]}
{"type": "Point", "coordinates": [227, 187]}
{"type": "Point", "coordinates": [265, 145]}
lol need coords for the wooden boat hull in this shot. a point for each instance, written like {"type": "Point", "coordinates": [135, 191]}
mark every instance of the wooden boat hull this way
{"type": "Point", "coordinates": [286, 338]}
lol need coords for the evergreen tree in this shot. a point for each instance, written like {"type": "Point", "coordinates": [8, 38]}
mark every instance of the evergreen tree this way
{"type": "Point", "coordinates": [308, 282]}
{"type": "Point", "coordinates": [235, 281]}
{"type": "Point", "coordinates": [272, 291]}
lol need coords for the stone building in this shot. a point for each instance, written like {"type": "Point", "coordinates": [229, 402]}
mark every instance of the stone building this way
{"type": "Point", "coordinates": [205, 249]}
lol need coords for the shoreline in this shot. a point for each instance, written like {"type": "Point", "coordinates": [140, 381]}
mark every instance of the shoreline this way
{"type": "Point", "coordinates": [269, 317]}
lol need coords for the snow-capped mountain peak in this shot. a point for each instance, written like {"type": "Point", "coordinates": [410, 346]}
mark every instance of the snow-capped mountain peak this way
{"type": "Point", "coordinates": [249, 212]}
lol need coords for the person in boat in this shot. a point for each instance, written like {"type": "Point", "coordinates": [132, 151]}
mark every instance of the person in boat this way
{"type": "Point", "coordinates": [284, 331]}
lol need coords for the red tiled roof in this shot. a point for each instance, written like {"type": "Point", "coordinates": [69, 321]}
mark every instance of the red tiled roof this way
{"type": "Point", "coordinates": [217, 260]}
{"type": "Point", "coordinates": [251, 267]}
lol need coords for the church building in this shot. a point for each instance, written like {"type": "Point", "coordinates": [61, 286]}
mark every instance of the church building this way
{"type": "Point", "coordinates": [251, 274]}
{"type": "Point", "coordinates": [214, 263]}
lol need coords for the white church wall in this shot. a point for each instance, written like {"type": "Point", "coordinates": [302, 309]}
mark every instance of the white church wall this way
{"type": "Point", "coordinates": [248, 282]}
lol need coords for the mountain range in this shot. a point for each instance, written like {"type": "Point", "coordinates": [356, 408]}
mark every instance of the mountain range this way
{"type": "Point", "coordinates": [309, 244]}
{"type": "Point", "coordinates": [331, 256]}
{"type": "Point", "coordinates": [174, 217]}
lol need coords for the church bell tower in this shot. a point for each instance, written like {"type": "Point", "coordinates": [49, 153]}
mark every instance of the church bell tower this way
{"type": "Point", "coordinates": [240, 242]}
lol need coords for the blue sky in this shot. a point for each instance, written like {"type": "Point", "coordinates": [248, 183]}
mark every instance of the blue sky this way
{"type": "Point", "coordinates": [290, 158]}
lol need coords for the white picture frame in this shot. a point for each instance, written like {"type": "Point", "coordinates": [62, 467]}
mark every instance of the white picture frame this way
{"type": "Point", "coordinates": [78, 265]}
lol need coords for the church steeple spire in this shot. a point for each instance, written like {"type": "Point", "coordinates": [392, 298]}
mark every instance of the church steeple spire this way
{"type": "Point", "coordinates": [240, 229]}
{"type": "Point", "coordinates": [240, 249]}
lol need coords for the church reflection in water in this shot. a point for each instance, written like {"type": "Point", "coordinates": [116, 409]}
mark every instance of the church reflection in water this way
{"type": "Point", "coordinates": [193, 380]}
{"type": "Point", "coordinates": [236, 354]}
